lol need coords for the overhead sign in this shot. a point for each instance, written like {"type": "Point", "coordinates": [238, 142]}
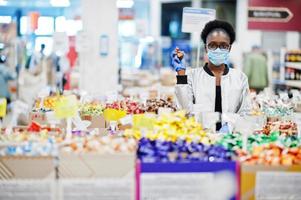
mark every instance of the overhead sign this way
{"type": "Point", "coordinates": [270, 14]}
{"type": "Point", "coordinates": [274, 15]}
{"type": "Point", "coordinates": [126, 14]}
{"type": "Point", "coordinates": [194, 19]}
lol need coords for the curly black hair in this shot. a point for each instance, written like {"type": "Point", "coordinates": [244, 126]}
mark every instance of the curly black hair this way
{"type": "Point", "coordinates": [218, 24]}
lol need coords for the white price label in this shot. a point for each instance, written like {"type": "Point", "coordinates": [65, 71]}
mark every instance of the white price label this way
{"type": "Point", "coordinates": [27, 189]}
{"type": "Point", "coordinates": [117, 189]}
{"type": "Point", "coordinates": [278, 185]}
{"type": "Point", "coordinates": [127, 120]}
{"type": "Point", "coordinates": [193, 186]}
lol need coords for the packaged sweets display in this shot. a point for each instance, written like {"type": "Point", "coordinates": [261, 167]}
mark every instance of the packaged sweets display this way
{"type": "Point", "coordinates": [284, 127]}
{"type": "Point", "coordinates": [153, 105]}
{"type": "Point", "coordinates": [131, 107]}
{"type": "Point", "coordinates": [91, 109]}
{"type": "Point", "coordinates": [271, 154]}
{"type": "Point", "coordinates": [169, 127]}
{"type": "Point", "coordinates": [21, 142]}
{"type": "Point", "coordinates": [234, 141]}
{"type": "Point", "coordinates": [180, 151]}
{"type": "Point", "coordinates": [99, 144]}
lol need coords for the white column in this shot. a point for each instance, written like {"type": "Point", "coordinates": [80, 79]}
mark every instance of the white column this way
{"type": "Point", "coordinates": [245, 38]}
{"type": "Point", "coordinates": [241, 29]}
{"type": "Point", "coordinates": [195, 37]}
{"type": "Point", "coordinates": [155, 18]}
{"type": "Point", "coordinates": [99, 74]}
{"type": "Point", "coordinates": [292, 40]}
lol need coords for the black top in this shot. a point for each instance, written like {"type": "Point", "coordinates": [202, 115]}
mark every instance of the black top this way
{"type": "Point", "coordinates": [218, 94]}
{"type": "Point", "coordinates": [218, 99]}
{"type": "Point", "coordinates": [206, 68]}
{"type": "Point", "coordinates": [218, 104]}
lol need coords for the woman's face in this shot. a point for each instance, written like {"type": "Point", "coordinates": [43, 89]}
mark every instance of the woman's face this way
{"type": "Point", "coordinates": [218, 39]}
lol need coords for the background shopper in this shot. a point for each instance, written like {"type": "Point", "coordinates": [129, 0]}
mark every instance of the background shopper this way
{"type": "Point", "coordinates": [256, 69]}
{"type": "Point", "coordinates": [5, 76]}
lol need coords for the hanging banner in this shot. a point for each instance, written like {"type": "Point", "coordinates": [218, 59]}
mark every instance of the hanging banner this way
{"type": "Point", "coordinates": [34, 18]}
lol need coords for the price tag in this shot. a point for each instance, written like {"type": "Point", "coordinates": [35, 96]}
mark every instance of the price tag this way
{"type": "Point", "coordinates": [27, 189]}
{"type": "Point", "coordinates": [66, 107]}
{"type": "Point", "coordinates": [127, 120]}
{"type": "Point", "coordinates": [194, 19]}
{"type": "Point", "coordinates": [278, 185]}
{"type": "Point", "coordinates": [92, 189]}
{"type": "Point", "coordinates": [3, 104]}
{"type": "Point", "coordinates": [163, 110]}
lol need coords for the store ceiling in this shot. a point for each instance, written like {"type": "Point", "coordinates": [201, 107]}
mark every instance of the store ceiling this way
{"type": "Point", "coordinates": [33, 3]}
{"type": "Point", "coordinates": [44, 7]}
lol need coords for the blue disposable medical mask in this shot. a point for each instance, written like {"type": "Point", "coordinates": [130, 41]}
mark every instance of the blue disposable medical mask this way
{"type": "Point", "coordinates": [218, 56]}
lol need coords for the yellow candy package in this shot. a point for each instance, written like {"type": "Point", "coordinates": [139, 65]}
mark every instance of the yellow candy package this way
{"type": "Point", "coordinates": [3, 104]}
{"type": "Point", "coordinates": [111, 114]}
{"type": "Point", "coordinates": [168, 127]}
{"type": "Point", "coordinates": [66, 107]}
{"type": "Point", "coordinates": [144, 121]}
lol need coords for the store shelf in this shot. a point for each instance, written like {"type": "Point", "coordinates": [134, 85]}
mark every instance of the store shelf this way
{"type": "Point", "coordinates": [296, 65]}
{"type": "Point", "coordinates": [293, 83]}
{"type": "Point", "coordinates": [278, 82]}
{"type": "Point", "coordinates": [288, 83]}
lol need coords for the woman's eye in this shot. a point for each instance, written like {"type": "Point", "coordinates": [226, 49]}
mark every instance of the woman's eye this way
{"type": "Point", "coordinates": [212, 46]}
{"type": "Point", "coordinates": [224, 46]}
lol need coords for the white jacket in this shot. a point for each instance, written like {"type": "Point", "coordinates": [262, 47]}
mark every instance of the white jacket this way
{"type": "Point", "coordinates": [200, 92]}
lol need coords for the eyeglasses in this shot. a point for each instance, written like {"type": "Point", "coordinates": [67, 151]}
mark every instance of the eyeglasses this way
{"type": "Point", "coordinates": [223, 46]}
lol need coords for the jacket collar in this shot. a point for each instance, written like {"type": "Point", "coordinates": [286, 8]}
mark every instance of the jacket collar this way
{"type": "Point", "coordinates": [208, 71]}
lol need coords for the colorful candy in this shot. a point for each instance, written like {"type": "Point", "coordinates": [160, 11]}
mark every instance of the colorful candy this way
{"type": "Point", "coordinates": [97, 144]}
{"type": "Point", "coordinates": [153, 105]}
{"type": "Point", "coordinates": [46, 104]}
{"type": "Point", "coordinates": [284, 127]}
{"type": "Point", "coordinates": [180, 151]}
{"type": "Point", "coordinates": [234, 141]}
{"type": "Point", "coordinates": [271, 154]}
{"type": "Point", "coordinates": [92, 109]}
{"type": "Point", "coordinates": [30, 149]}
{"type": "Point", "coordinates": [22, 142]}
{"type": "Point", "coordinates": [131, 107]}
{"type": "Point", "coordinates": [171, 127]}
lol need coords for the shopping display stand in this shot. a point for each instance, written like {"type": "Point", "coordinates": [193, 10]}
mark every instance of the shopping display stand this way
{"type": "Point", "coordinates": [29, 177]}
{"type": "Point", "coordinates": [191, 180]}
{"type": "Point", "coordinates": [105, 176]}
{"type": "Point", "coordinates": [270, 182]}
{"type": "Point", "coordinates": [290, 72]}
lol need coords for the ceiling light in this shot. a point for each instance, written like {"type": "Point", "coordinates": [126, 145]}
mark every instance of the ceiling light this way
{"type": "Point", "coordinates": [125, 3]}
{"type": "Point", "coordinates": [60, 3]}
{"type": "Point", "coordinates": [3, 2]}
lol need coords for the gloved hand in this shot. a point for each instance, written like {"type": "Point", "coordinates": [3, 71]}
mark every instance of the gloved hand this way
{"type": "Point", "coordinates": [177, 60]}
